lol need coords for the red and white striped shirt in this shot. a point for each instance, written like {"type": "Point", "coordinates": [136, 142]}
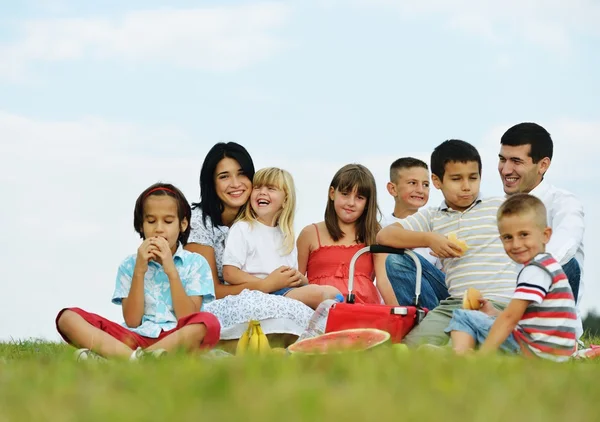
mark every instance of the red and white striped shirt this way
{"type": "Point", "coordinates": [547, 328]}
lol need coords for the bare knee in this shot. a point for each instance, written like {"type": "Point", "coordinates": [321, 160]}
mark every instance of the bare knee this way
{"type": "Point", "coordinates": [462, 343]}
{"type": "Point", "coordinates": [330, 292]}
{"type": "Point", "coordinates": [66, 320]}
{"type": "Point", "coordinates": [318, 294]}
{"type": "Point", "coordinates": [196, 331]}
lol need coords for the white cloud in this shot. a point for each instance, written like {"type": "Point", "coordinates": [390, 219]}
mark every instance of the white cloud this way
{"type": "Point", "coordinates": [218, 38]}
{"type": "Point", "coordinates": [551, 24]}
{"type": "Point", "coordinates": [473, 23]}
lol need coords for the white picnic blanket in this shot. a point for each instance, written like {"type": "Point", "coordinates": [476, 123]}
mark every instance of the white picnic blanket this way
{"type": "Point", "coordinates": [277, 314]}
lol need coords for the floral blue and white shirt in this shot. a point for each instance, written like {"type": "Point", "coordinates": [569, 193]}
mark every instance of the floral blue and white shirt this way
{"type": "Point", "coordinates": [159, 315]}
{"type": "Point", "coordinates": [209, 235]}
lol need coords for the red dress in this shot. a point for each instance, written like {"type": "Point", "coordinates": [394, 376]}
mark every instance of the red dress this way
{"type": "Point", "coordinates": [329, 266]}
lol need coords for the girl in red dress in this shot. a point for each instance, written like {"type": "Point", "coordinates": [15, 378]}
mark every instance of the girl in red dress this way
{"type": "Point", "coordinates": [326, 248]}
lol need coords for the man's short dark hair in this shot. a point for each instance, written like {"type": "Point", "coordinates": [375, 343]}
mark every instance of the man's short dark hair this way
{"type": "Point", "coordinates": [530, 134]}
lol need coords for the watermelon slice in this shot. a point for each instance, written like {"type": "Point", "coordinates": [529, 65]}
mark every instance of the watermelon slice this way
{"type": "Point", "coordinates": [354, 340]}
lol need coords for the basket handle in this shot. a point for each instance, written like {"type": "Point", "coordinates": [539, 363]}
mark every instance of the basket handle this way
{"type": "Point", "coordinates": [388, 250]}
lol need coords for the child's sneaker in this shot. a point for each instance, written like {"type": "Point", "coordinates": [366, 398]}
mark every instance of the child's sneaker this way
{"type": "Point", "coordinates": [87, 354]}
{"type": "Point", "coordinates": [141, 354]}
{"type": "Point", "coordinates": [593, 352]}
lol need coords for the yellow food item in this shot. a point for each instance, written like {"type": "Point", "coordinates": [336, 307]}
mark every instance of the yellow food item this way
{"type": "Point", "coordinates": [263, 341]}
{"type": "Point", "coordinates": [254, 340]}
{"type": "Point", "coordinates": [461, 243]}
{"type": "Point", "coordinates": [253, 344]}
{"type": "Point", "coordinates": [242, 344]}
{"type": "Point", "coordinates": [471, 299]}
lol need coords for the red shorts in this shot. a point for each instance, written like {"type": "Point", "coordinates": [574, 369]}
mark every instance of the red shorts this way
{"type": "Point", "coordinates": [134, 340]}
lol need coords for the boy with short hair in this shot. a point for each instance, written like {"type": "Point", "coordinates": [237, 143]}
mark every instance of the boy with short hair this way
{"type": "Point", "coordinates": [456, 171]}
{"type": "Point", "coordinates": [409, 186]}
{"type": "Point", "coordinates": [540, 319]}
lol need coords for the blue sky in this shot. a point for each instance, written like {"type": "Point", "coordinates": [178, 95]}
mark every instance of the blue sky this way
{"type": "Point", "coordinates": [97, 101]}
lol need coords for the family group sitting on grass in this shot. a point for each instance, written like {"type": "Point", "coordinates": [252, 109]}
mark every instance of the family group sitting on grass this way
{"type": "Point", "coordinates": [524, 253]}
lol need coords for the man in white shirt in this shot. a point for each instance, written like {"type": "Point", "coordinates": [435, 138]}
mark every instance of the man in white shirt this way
{"type": "Point", "coordinates": [525, 156]}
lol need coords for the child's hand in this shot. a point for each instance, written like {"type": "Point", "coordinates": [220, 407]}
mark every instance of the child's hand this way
{"type": "Point", "coordinates": [303, 279]}
{"type": "Point", "coordinates": [487, 308]}
{"type": "Point", "coordinates": [443, 248]}
{"type": "Point", "coordinates": [284, 277]}
{"type": "Point", "coordinates": [161, 251]}
{"type": "Point", "coordinates": [145, 253]}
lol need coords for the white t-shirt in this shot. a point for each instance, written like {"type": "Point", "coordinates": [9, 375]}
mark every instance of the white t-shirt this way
{"type": "Point", "coordinates": [257, 249]}
{"type": "Point", "coordinates": [537, 279]}
{"type": "Point", "coordinates": [566, 217]}
{"type": "Point", "coordinates": [424, 252]}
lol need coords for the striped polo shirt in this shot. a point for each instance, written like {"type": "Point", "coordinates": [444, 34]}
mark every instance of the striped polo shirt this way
{"type": "Point", "coordinates": [547, 328]}
{"type": "Point", "coordinates": [484, 266]}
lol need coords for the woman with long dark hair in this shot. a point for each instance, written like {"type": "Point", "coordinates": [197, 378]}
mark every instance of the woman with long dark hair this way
{"type": "Point", "coordinates": [225, 187]}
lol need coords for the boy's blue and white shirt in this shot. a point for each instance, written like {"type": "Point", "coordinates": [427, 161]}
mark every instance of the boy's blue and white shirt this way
{"type": "Point", "coordinates": [196, 277]}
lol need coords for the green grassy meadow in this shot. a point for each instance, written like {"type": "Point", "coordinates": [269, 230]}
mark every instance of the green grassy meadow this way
{"type": "Point", "coordinates": [41, 381]}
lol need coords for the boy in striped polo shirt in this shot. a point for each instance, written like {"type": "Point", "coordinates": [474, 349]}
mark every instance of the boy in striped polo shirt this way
{"type": "Point", "coordinates": [456, 171]}
{"type": "Point", "coordinates": [540, 319]}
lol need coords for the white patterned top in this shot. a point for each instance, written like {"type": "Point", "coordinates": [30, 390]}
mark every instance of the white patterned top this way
{"type": "Point", "coordinates": [209, 235]}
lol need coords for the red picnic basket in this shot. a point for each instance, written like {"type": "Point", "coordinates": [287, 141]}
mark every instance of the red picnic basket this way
{"type": "Point", "coordinates": [396, 320]}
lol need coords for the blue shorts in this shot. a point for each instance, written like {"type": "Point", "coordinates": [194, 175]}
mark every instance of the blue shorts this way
{"type": "Point", "coordinates": [478, 325]}
{"type": "Point", "coordinates": [282, 292]}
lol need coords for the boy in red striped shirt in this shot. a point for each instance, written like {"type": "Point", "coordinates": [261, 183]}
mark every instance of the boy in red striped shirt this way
{"type": "Point", "coordinates": [540, 319]}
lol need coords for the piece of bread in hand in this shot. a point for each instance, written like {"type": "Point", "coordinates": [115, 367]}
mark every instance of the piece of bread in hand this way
{"type": "Point", "coordinates": [461, 243]}
{"type": "Point", "coordinates": [471, 299]}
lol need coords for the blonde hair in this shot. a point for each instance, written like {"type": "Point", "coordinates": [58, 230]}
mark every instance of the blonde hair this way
{"type": "Point", "coordinates": [520, 204]}
{"type": "Point", "coordinates": [281, 179]}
